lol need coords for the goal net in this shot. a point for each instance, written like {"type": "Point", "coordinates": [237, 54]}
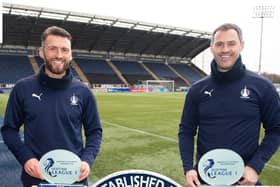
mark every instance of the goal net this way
{"type": "Point", "coordinates": [159, 85]}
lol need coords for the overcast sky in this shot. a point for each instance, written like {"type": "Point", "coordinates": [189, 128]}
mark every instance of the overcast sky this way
{"type": "Point", "coordinates": [203, 15]}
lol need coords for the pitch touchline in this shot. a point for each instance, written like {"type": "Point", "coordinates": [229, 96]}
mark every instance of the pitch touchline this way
{"type": "Point", "coordinates": [165, 138]}
{"type": "Point", "coordinates": [141, 132]}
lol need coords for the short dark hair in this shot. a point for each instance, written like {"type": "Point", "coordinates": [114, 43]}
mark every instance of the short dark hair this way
{"type": "Point", "coordinates": [57, 31]}
{"type": "Point", "coordinates": [228, 26]}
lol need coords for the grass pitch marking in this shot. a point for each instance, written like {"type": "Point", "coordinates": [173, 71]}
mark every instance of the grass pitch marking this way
{"type": "Point", "coordinates": [141, 131]}
{"type": "Point", "coordinates": [272, 166]}
{"type": "Point", "coordinates": [164, 138]}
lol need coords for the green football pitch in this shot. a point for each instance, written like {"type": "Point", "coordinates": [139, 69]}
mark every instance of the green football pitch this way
{"type": "Point", "coordinates": [140, 132]}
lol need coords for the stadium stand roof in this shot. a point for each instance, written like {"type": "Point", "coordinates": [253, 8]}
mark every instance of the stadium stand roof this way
{"type": "Point", "coordinates": [23, 25]}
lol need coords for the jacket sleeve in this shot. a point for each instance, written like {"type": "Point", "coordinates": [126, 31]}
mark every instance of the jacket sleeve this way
{"type": "Point", "coordinates": [13, 120]}
{"type": "Point", "coordinates": [270, 112]}
{"type": "Point", "coordinates": [187, 131]}
{"type": "Point", "coordinates": [92, 129]}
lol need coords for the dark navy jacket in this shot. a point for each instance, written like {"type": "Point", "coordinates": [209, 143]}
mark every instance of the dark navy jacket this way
{"type": "Point", "coordinates": [226, 111]}
{"type": "Point", "coordinates": [53, 112]}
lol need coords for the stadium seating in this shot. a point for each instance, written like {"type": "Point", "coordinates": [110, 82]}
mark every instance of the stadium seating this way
{"type": "Point", "coordinates": [133, 72]}
{"type": "Point", "coordinates": [161, 70]}
{"type": "Point", "coordinates": [98, 71]}
{"type": "Point", "coordinates": [187, 71]}
{"type": "Point", "coordinates": [13, 68]}
{"type": "Point", "coordinates": [164, 73]}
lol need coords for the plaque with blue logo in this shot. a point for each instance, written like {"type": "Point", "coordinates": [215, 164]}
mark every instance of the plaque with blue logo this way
{"type": "Point", "coordinates": [61, 168]}
{"type": "Point", "coordinates": [221, 167]}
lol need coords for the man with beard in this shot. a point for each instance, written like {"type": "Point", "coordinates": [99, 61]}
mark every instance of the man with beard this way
{"type": "Point", "coordinates": [54, 108]}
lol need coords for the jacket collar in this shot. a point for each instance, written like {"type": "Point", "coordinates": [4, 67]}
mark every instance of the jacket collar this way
{"type": "Point", "coordinates": [238, 71]}
{"type": "Point", "coordinates": [49, 82]}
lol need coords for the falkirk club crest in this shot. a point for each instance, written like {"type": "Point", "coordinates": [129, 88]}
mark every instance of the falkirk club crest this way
{"type": "Point", "coordinates": [245, 92]}
{"type": "Point", "coordinates": [74, 100]}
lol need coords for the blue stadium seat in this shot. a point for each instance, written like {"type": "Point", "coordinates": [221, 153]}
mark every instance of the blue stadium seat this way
{"type": "Point", "coordinates": [130, 67]}
{"type": "Point", "coordinates": [13, 68]}
{"type": "Point", "coordinates": [98, 71]}
{"type": "Point", "coordinates": [94, 66]}
{"type": "Point", "coordinates": [187, 71]}
{"type": "Point", "coordinates": [161, 70]}
{"type": "Point", "coordinates": [132, 71]}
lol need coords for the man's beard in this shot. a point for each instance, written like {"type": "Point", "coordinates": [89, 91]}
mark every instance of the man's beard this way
{"type": "Point", "coordinates": [57, 71]}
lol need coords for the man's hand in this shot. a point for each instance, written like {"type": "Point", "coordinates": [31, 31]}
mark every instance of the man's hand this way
{"type": "Point", "coordinates": [192, 179]}
{"type": "Point", "coordinates": [250, 177]}
{"type": "Point", "coordinates": [32, 168]}
{"type": "Point", "coordinates": [84, 172]}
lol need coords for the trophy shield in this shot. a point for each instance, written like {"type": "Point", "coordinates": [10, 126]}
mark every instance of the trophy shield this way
{"type": "Point", "coordinates": [60, 168]}
{"type": "Point", "coordinates": [221, 167]}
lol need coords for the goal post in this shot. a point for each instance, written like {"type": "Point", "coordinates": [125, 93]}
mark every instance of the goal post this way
{"type": "Point", "coordinates": [159, 85]}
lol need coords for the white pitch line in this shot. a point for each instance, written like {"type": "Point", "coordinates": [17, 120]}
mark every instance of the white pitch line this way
{"type": "Point", "coordinates": [141, 132]}
{"type": "Point", "coordinates": [165, 138]}
{"type": "Point", "coordinates": [273, 166]}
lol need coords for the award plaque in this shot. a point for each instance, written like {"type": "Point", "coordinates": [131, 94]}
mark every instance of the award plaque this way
{"type": "Point", "coordinates": [60, 168]}
{"type": "Point", "coordinates": [221, 167]}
